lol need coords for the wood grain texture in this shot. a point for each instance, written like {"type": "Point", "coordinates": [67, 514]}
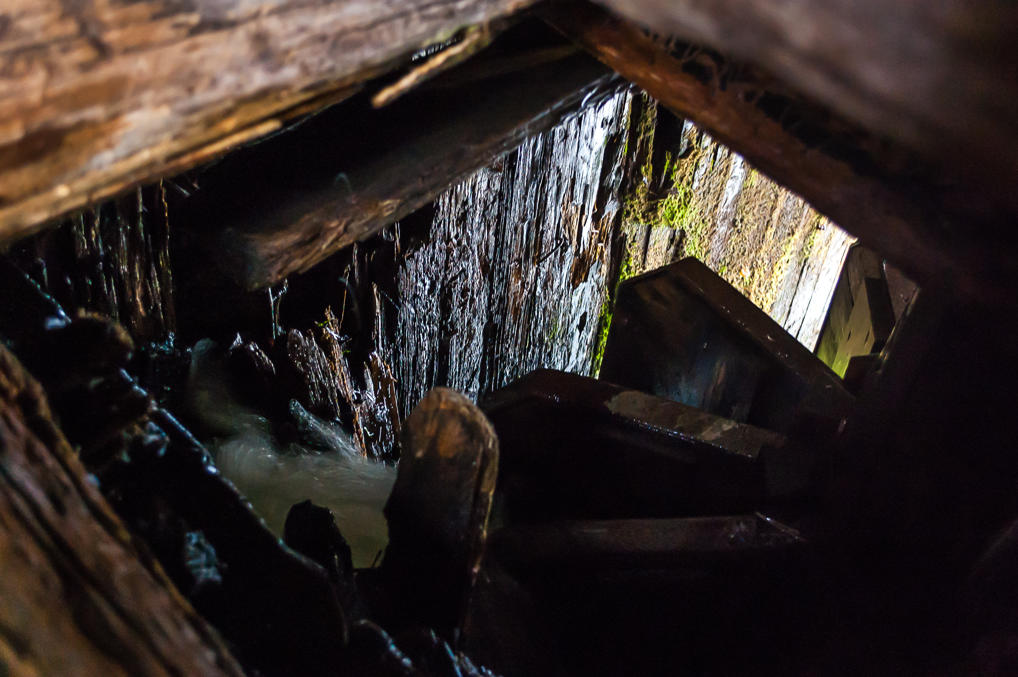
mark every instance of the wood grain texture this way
{"type": "Point", "coordinates": [939, 76]}
{"type": "Point", "coordinates": [880, 192]}
{"type": "Point", "coordinates": [76, 596]}
{"type": "Point", "coordinates": [346, 173]}
{"type": "Point", "coordinates": [98, 95]}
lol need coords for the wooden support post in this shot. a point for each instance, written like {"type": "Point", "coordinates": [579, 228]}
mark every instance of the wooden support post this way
{"type": "Point", "coordinates": [96, 97]}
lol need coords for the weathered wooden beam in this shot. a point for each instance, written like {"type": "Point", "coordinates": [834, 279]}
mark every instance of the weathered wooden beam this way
{"type": "Point", "coordinates": [76, 596]}
{"type": "Point", "coordinates": [573, 448]}
{"type": "Point", "coordinates": [282, 206]}
{"type": "Point", "coordinates": [683, 333]}
{"type": "Point", "coordinates": [937, 76]}
{"type": "Point", "coordinates": [95, 97]}
{"type": "Point", "coordinates": [880, 193]}
{"type": "Point", "coordinates": [582, 546]}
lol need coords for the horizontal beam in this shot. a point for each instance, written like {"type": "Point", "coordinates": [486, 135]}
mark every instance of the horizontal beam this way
{"type": "Point", "coordinates": [936, 76]}
{"type": "Point", "coordinates": [281, 206]}
{"type": "Point", "coordinates": [97, 97]}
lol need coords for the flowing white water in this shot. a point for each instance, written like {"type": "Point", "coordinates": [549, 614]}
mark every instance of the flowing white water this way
{"type": "Point", "coordinates": [273, 477]}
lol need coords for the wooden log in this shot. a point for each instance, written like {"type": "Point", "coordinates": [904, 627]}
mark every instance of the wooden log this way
{"type": "Point", "coordinates": [76, 596]}
{"type": "Point", "coordinates": [438, 509]}
{"type": "Point", "coordinates": [576, 448]}
{"type": "Point", "coordinates": [938, 76]}
{"type": "Point", "coordinates": [878, 192]}
{"type": "Point", "coordinates": [96, 97]}
{"type": "Point", "coordinates": [343, 175]}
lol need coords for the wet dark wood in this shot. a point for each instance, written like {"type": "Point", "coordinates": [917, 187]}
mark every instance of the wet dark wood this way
{"type": "Point", "coordinates": [576, 448]}
{"type": "Point", "coordinates": [640, 544]}
{"type": "Point", "coordinates": [95, 97]}
{"type": "Point", "coordinates": [885, 194]}
{"type": "Point", "coordinates": [438, 510]}
{"type": "Point", "coordinates": [345, 174]}
{"type": "Point", "coordinates": [923, 478]}
{"type": "Point", "coordinates": [76, 596]}
{"type": "Point", "coordinates": [938, 76]}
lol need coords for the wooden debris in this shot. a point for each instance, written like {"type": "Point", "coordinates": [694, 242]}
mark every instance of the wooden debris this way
{"type": "Point", "coordinates": [438, 510]}
{"type": "Point", "coordinates": [936, 76]}
{"type": "Point", "coordinates": [641, 544]}
{"type": "Point", "coordinates": [304, 371]}
{"type": "Point", "coordinates": [611, 452]}
{"type": "Point", "coordinates": [860, 318]}
{"type": "Point", "coordinates": [76, 596]}
{"type": "Point", "coordinates": [97, 97]}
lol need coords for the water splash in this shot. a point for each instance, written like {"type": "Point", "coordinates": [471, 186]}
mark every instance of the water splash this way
{"type": "Point", "coordinates": [325, 467]}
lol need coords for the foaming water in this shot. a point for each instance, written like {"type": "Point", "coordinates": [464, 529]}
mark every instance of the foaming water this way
{"type": "Point", "coordinates": [353, 487]}
{"type": "Point", "coordinates": [275, 477]}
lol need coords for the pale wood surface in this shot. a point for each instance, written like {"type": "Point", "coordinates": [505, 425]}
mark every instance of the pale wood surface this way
{"type": "Point", "coordinates": [99, 95]}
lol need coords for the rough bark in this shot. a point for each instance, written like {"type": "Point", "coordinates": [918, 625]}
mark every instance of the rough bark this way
{"type": "Point", "coordinates": [97, 96]}
{"type": "Point", "coordinates": [76, 596]}
{"type": "Point", "coordinates": [938, 76]}
{"type": "Point", "coordinates": [871, 189]}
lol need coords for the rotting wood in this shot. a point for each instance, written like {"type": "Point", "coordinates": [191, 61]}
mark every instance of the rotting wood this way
{"type": "Point", "coordinates": [96, 97]}
{"type": "Point", "coordinates": [937, 76]}
{"type": "Point", "coordinates": [76, 596]}
{"type": "Point", "coordinates": [348, 172]}
{"type": "Point", "coordinates": [864, 184]}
